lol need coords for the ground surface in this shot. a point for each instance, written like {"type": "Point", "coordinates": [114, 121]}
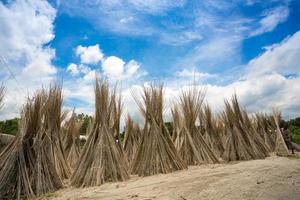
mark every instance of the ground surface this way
{"type": "Point", "coordinates": [273, 178]}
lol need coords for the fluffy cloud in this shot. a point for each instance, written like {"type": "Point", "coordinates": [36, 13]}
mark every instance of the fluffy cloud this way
{"type": "Point", "coordinates": [75, 69]}
{"type": "Point", "coordinates": [26, 28]}
{"type": "Point", "coordinates": [115, 68]}
{"type": "Point", "coordinates": [265, 83]}
{"type": "Point", "coordinates": [90, 54]}
{"type": "Point", "coordinates": [260, 92]}
{"type": "Point", "coordinates": [282, 58]}
{"type": "Point", "coordinates": [257, 90]}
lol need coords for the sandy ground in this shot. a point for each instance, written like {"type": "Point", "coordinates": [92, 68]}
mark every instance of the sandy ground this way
{"type": "Point", "coordinates": [273, 178]}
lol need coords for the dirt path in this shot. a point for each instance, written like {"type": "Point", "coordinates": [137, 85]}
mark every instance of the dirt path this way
{"type": "Point", "coordinates": [273, 178]}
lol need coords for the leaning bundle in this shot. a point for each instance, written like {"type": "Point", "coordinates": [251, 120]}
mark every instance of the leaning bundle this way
{"type": "Point", "coordinates": [189, 141]}
{"type": "Point", "coordinates": [101, 159]}
{"type": "Point", "coordinates": [156, 153]}
{"type": "Point", "coordinates": [280, 148]}
{"type": "Point", "coordinates": [242, 141]}
{"type": "Point", "coordinates": [212, 135]}
{"type": "Point", "coordinates": [72, 141]}
{"type": "Point", "coordinates": [131, 139]}
{"type": "Point", "coordinates": [26, 167]}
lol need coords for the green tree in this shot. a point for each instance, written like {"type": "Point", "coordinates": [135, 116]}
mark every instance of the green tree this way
{"type": "Point", "coordinates": [9, 126]}
{"type": "Point", "coordinates": [294, 128]}
{"type": "Point", "coordinates": [86, 120]}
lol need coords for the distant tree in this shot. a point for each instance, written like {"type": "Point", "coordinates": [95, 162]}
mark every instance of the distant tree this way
{"type": "Point", "coordinates": [294, 122]}
{"type": "Point", "coordinates": [294, 128]}
{"type": "Point", "coordinates": [86, 120]}
{"type": "Point", "coordinates": [9, 126]}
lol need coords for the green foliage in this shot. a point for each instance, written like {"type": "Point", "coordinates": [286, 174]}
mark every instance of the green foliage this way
{"type": "Point", "coordinates": [86, 120]}
{"type": "Point", "coordinates": [169, 126]}
{"type": "Point", "coordinates": [294, 128]}
{"type": "Point", "coordinates": [295, 131]}
{"type": "Point", "coordinates": [294, 122]}
{"type": "Point", "coordinates": [122, 135]}
{"type": "Point", "coordinates": [9, 126]}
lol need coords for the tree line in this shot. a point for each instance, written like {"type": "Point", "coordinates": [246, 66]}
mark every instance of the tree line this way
{"type": "Point", "coordinates": [10, 126]}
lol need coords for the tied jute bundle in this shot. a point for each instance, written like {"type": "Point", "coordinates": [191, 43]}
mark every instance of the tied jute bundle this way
{"type": "Point", "coordinates": [156, 152]}
{"type": "Point", "coordinates": [131, 139]}
{"type": "Point", "coordinates": [212, 134]}
{"type": "Point", "coordinates": [32, 164]}
{"type": "Point", "coordinates": [72, 141]}
{"type": "Point", "coordinates": [243, 142]}
{"type": "Point", "coordinates": [265, 126]}
{"type": "Point", "coordinates": [101, 159]}
{"type": "Point", "coordinates": [189, 141]}
{"type": "Point", "coordinates": [280, 146]}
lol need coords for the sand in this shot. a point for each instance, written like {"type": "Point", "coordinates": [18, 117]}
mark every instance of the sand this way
{"type": "Point", "coordinates": [272, 178]}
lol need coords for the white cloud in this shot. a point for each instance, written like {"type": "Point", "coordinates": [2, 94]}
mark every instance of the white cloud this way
{"type": "Point", "coordinates": [126, 20]}
{"type": "Point", "coordinates": [259, 92]}
{"type": "Point", "coordinates": [40, 64]}
{"type": "Point", "coordinates": [271, 19]}
{"type": "Point", "coordinates": [113, 67]}
{"type": "Point", "coordinates": [256, 93]}
{"type": "Point", "coordinates": [73, 69]}
{"type": "Point", "coordinates": [90, 54]}
{"type": "Point", "coordinates": [281, 58]}
{"type": "Point", "coordinates": [177, 38]}
{"type": "Point", "coordinates": [116, 69]}
{"type": "Point", "coordinates": [90, 76]}
{"type": "Point", "coordinates": [156, 6]}
{"type": "Point", "coordinates": [264, 84]}
{"type": "Point", "coordinates": [80, 69]}
{"type": "Point", "coordinates": [26, 28]}
{"type": "Point", "coordinates": [214, 53]}
{"type": "Point", "coordinates": [186, 73]}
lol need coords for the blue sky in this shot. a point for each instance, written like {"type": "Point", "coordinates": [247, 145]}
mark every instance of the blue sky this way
{"type": "Point", "coordinates": [167, 41]}
{"type": "Point", "coordinates": [245, 46]}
